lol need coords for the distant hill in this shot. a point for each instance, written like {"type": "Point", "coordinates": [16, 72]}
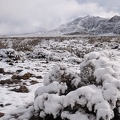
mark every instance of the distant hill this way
{"type": "Point", "coordinates": [90, 25]}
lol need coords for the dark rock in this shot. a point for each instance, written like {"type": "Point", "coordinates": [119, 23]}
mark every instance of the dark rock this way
{"type": "Point", "coordinates": [24, 77]}
{"type": "Point", "coordinates": [115, 46]}
{"type": "Point", "coordinates": [33, 82]}
{"type": "Point", "coordinates": [8, 60]}
{"type": "Point", "coordinates": [18, 71]}
{"type": "Point", "coordinates": [1, 105]}
{"type": "Point", "coordinates": [2, 82]}
{"type": "Point", "coordinates": [16, 77]}
{"type": "Point", "coordinates": [11, 63]}
{"type": "Point", "coordinates": [2, 70]}
{"type": "Point", "coordinates": [36, 118]}
{"type": "Point", "coordinates": [24, 83]}
{"type": "Point", "coordinates": [1, 114]}
{"type": "Point", "coordinates": [8, 104]}
{"type": "Point", "coordinates": [38, 77]}
{"type": "Point", "coordinates": [22, 89]}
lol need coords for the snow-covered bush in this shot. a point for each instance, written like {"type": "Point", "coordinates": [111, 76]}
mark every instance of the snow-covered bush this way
{"type": "Point", "coordinates": [39, 53]}
{"type": "Point", "coordinates": [94, 96]}
{"type": "Point", "coordinates": [105, 74]}
{"type": "Point", "coordinates": [9, 54]}
{"type": "Point", "coordinates": [80, 52]}
{"type": "Point", "coordinates": [61, 74]}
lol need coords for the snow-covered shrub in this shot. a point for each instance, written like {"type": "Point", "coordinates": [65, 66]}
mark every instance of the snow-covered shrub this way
{"type": "Point", "coordinates": [54, 87]}
{"type": "Point", "coordinates": [105, 73]}
{"type": "Point", "coordinates": [3, 44]}
{"type": "Point", "coordinates": [54, 57]}
{"type": "Point", "coordinates": [75, 60]}
{"type": "Point", "coordinates": [61, 74]}
{"type": "Point", "coordinates": [94, 96]}
{"type": "Point", "coordinates": [9, 54]}
{"type": "Point", "coordinates": [39, 53]}
{"type": "Point", "coordinates": [81, 52]}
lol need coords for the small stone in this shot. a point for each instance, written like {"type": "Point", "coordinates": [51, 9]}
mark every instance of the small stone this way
{"type": "Point", "coordinates": [1, 105]}
{"type": "Point", "coordinates": [22, 89]}
{"type": "Point", "coordinates": [8, 104]}
{"type": "Point", "coordinates": [1, 114]}
{"type": "Point", "coordinates": [36, 118]}
{"type": "Point", "coordinates": [39, 77]}
{"type": "Point", "coordinates": [2, 70]}
{"type": "Point", "coordinates": [18, 71]}
{"type": "Point", "coordinates": [2, 82]}
{"type": "Point", "coordinates": [16, 77]}
{"type": "Point", "coordinates": [33, 82]}
{"type": "Point", "coordinates": [11, 63]}
{"type": "Point", "coordinates": [26, 76]}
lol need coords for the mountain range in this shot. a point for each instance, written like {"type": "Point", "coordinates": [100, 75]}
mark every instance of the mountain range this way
{"type": "Point", "coordinates": [90, 25]}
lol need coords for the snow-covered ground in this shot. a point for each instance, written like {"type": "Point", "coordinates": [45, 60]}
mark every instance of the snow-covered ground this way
{"type": "Point", "coordinates": [25, 64]}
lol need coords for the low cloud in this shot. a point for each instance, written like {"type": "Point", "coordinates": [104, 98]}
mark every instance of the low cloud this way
{"type": "Point", "coordinates": [27, 16]}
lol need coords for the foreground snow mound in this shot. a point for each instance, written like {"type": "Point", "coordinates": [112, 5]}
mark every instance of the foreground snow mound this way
{"type": "Point", "coordinates": [9, 54]}
{"type": "Point", "coordinates": [94, 96]}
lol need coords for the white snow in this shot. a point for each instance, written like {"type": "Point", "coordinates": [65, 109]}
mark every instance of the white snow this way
{"type": "Point", "coordinates": [55, 66]}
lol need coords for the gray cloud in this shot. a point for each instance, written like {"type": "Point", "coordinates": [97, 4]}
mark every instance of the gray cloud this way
{"type": "Point", "coordinates": [25, 16]}
{"type": "Point", "coordinates": [109, 5]}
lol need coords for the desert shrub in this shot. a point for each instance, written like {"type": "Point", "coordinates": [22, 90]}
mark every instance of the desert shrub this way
{"type": "Point", "coordinates": [22, 47]}
{"type": "Point", "coordinates": [3, 45]}
{"type": "Point", "coordinates": [62, 75]}
{"type": "Point", "coordinates": [9, 54]}
{"type": "Point", "coordinates": [81, 52]}
{"type": "Point", "coordinates": [94, 96]}
{"type": "Point", "coordinates": [25, 44]}
{"type": "Point", "coordinates": [39, 53]}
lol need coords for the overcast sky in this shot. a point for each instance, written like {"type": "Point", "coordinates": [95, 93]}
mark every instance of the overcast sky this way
{"type": "Point", "coordinates": [26, 16]}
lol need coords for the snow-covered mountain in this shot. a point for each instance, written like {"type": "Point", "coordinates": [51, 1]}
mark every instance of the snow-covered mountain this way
{"type": "Point", "coordinates": [91, 25]}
